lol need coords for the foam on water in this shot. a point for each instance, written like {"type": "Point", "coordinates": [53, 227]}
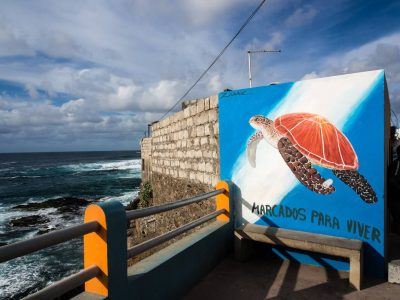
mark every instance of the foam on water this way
{"type": "Point", "coordinates": [32, 269]}
{"type": "Point", "coordinates": [125, 198]}
{"type": "Point", "coordinates": [133, 164]}
{"type": "Point", "coordinates": [43, 177]}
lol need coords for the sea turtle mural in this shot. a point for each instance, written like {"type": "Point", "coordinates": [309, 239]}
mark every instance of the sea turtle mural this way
{"type": "Point", "coordinates": [305, 139]}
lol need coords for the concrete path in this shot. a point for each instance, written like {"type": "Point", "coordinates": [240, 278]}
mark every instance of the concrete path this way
{"type": "Point", "coordinates": [272, 278]}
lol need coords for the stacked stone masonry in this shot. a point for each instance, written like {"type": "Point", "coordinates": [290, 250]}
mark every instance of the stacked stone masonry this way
{"type": "Point", "coordinates": [181, 160]}
{"type": "Point", "coordinates": [185, 145]}
{"type": "Point", "coordinates": [146, 158]}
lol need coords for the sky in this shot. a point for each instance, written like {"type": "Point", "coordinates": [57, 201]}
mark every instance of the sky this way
{"type": "Point", "coordinates": [90, 75]}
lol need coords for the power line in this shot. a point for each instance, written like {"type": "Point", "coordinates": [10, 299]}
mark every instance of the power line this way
{"type": "Point", "coordinates": [215, 59]}
{"type": "Point", "coordinates": [395, 115]}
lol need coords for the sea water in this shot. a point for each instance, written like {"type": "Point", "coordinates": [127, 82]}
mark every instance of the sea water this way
{"type": "Point", "coordinates": [38, 177]}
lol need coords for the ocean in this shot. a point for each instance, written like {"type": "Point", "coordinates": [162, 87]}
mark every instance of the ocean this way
{"type": "Point", "coordinates": [41, 192]}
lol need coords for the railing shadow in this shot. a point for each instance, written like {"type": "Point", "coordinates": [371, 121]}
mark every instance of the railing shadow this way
{"type": "Point", "coordinates": [292, 271]}
{"type": "Point", "coordinates": [324, 291]}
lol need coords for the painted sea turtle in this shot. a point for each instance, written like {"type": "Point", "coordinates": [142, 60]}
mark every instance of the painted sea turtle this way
{"type": "Point", "coordinates": [305, 139]}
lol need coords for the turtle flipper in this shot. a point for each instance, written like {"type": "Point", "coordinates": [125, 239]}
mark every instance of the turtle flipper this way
{"type": "Point", "coordinates": [358, 183]}
{"type": "Point", "coordinates": [252, 147]}
{"type": "Point", "coordinates": [302, 169]}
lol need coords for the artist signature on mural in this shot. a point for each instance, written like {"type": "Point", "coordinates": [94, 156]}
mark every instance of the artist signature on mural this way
{"type": "Point", "coordinates": [234, 93]}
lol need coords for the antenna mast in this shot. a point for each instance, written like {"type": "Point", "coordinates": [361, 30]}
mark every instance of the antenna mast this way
{"type": "Point", "coordinates": [249, 53]}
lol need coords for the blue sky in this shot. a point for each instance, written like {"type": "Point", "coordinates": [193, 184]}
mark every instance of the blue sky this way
{"type": "Point", "coordinates": [90, 75]}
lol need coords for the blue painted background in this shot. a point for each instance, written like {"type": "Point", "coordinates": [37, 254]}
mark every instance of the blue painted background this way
{"type": "Point", "coordinates": [366, 133]}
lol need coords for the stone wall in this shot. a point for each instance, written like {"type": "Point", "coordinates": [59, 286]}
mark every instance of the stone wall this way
{"type": "Point", "coordinates": [185, 145]}
{"type": "Point", "coordinates": [145, 146]}
{"type": "Point", "coordinates": [181, 160]}
{"type": "Point", "coordinates": [169, 189]}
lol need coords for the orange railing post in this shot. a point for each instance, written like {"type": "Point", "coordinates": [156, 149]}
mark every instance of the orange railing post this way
{"type": "Point", "coordinates": [95, 250]}
{"type": "Point", "coordinates": [223, 200]}
{"type": "Point", "coordinates": [106, 248]}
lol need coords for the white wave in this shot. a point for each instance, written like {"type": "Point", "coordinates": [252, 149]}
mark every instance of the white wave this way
{"type": "Point", "coordinates": [20, 176]}
{"type": "Point", "coordinates": [28, 274]}
{"type": "Point", "coordinates": [39, 199]}
{"type": "Point", "coordinates": [30, 268]}
{"type": "Point", "coordinates": [8, 214]}
{"type": "Point", "coordinates": [132, 174]}
{"type": "Point", "coordinates": [35, 269]}
{"type": "Point", "coordinates": [125, 198]}
{"type": "Point", "coordinates": [337, 98]}
{"type": "Point", "coordinates": [133, 164]}
{"type": "Point", "coordinates": [57, 222]}
{"type": "Point", "coordinates": [8, 163]}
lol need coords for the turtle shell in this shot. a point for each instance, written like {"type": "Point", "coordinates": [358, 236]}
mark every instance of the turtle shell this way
{"type": "Point", "coordinates": [319, 140]}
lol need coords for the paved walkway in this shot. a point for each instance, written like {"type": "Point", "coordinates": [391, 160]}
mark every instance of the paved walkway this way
{"type": "Point", "coordinates": [271, 278]}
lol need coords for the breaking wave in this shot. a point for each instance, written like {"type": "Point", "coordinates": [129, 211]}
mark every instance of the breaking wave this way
{"type": "Point", "coordinates": [42, 178]}
{"type": "Point", "coordinates": [133, 164]}
{"type": "Point", "coordinates": [125, 198]}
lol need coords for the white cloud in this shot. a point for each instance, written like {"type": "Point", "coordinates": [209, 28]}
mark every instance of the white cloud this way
{"type": "Point", "coordinates": [382, 53]}
{"type": "Point", "coordinates": [274, 41]}
{"type": "Point", "coordinates": [202, 11]}
{"type": "Point", "coordinates": [311, 75]}
{"type": "Point", "coordinates": [67, 125]}
{"type": "Point", "coordinates": [13, 43]}
{"type": "Point", "coordinates": [215, 84]}
{"type": "Point", "coordinates": [301, 16]}
{"type": "Point", "coordinates": [33, 93]}
{"type": "Point", "coordinates": [130, 60]}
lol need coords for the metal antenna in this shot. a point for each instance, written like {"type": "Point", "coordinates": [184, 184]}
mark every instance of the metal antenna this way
{"type": "Point", "coordinates": [249, 53]}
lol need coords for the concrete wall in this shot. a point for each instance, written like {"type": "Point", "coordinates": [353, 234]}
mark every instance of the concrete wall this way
{"type": "Point", "coordinates": [173, 271]}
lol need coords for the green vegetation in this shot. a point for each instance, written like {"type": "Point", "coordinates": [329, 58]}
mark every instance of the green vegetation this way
{"type": "Point", "coordinates": [144, 197]}
{"type": "Point", "coordinates": [145, 194]}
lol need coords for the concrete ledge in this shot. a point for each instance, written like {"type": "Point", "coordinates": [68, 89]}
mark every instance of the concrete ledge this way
{"type": "Point", "coordinates": [327, 240]}
{"type": "Point", "coordinates": [171, 272]}
{"type": "Point", "coordinates": [394, 271]}
{"type": "Point", "coordinates": [87, 296]}
{"type": "Point", "coordinates": [342, 247]}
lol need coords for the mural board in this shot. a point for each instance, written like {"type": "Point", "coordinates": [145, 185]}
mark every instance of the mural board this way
{"type": "Point", "coordinates": [310, 156]}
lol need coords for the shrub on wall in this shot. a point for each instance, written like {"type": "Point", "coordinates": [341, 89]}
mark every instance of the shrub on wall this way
{"type": "Point", "coordinates": [145, 194]}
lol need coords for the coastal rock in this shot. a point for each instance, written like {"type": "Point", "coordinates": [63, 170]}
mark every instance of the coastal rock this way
{"type": "Point", "coordinates": [28, 221]}
{"type": "Point", "coordinates": [65, 204]}
{"type": "Point", "coordinates": [133, 204]}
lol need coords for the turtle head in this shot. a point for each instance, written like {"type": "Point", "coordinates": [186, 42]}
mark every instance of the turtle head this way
{"type": "Point", "coordinates": [260, 122]}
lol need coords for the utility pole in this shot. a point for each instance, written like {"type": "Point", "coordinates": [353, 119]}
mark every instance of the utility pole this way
{"type": "Point", "coordinates": [249, 53]}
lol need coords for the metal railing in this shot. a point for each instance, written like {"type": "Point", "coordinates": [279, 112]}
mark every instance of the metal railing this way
{"type": "Point", "coordinates": [144, 212]}
{"type": "Point", "coordinates": [95, 264]}
{"type": "Point", "coordinates": [171, 234]}
{"type": "Point", "coordinates": [66, 284]}
{"type": "Point", "coordinates": [148, 211]}
{"type": "Point", "coordinates": [22, 248]}
{"type": "Point", "coordinates": [46, 240]}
